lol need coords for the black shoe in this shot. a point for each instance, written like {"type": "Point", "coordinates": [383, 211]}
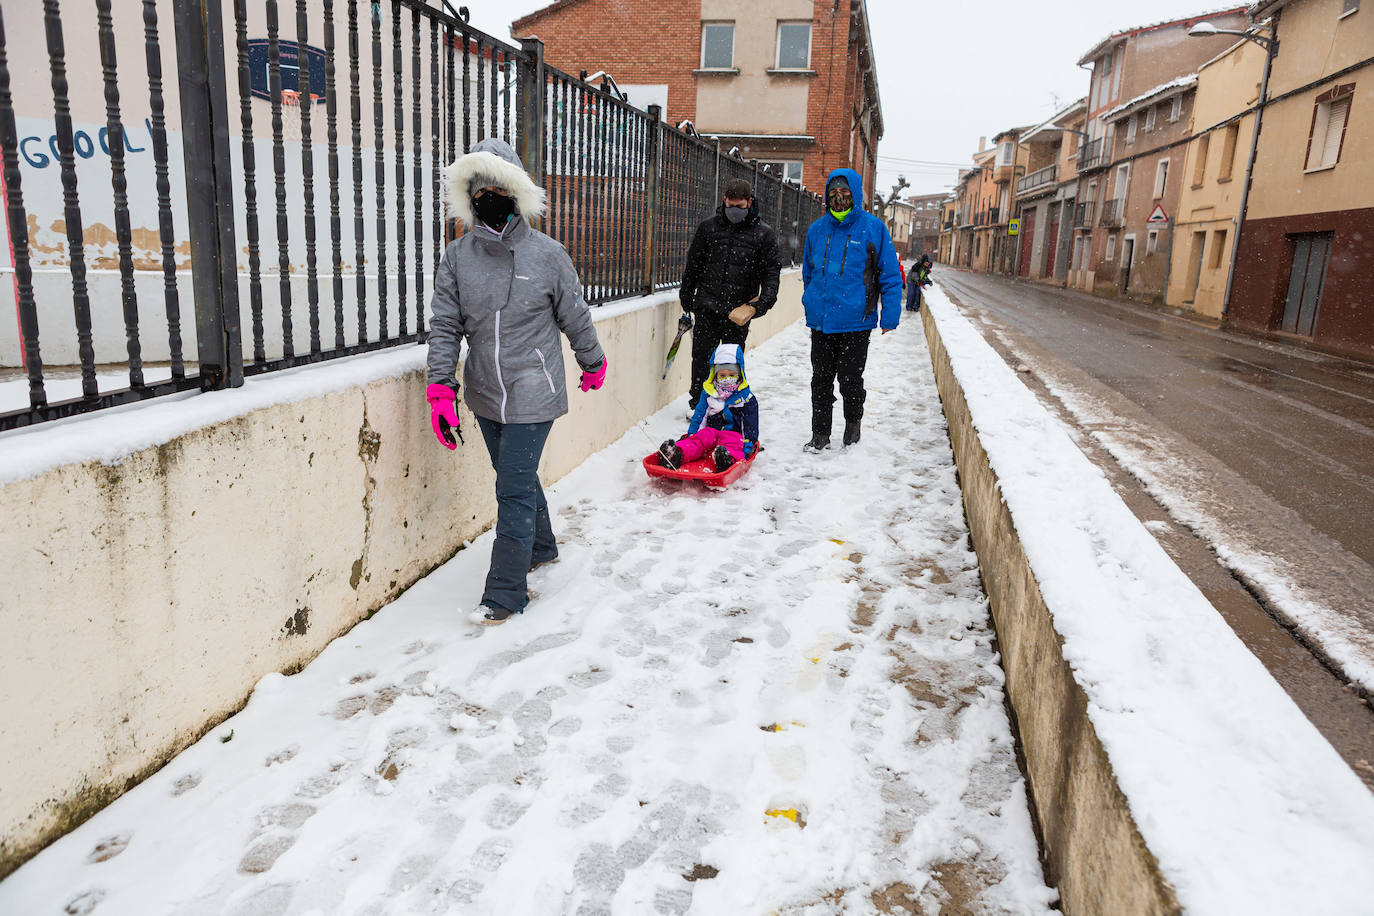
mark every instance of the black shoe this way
{"type": "Point", "coordinates": [722, 458]}
{"type": "Point", "coordinates": [535, 564]}
{"type": "Point", "coordinates": [670, 455]}
{"type": "Point", "coordinates": [851, 432]}
{"type": "Point", "coordinates": [817, 443]}
{"type": "Point", "coordinates": [491, 616]}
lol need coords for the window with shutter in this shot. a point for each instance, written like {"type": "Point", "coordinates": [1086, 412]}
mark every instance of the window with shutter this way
{"type": "Point", "coordinates": [1130, 130]}
{"type": "Point", "coordinates": [1200, 159]}
{"type": "Point", "coordinates": [1228, 151]}
{"type": "Point", "coordinates": [1150, 119]}
{"type": "Point", "coordinates": [1329, 119]}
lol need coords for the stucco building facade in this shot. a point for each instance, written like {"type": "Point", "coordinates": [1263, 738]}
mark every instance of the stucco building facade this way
{"type": "Point", "coordinates": [1305, 264]}
{"type": "Point", "coordinates": [1126, 65]}
{"type": "Point", "coordinates": [1213, 174]}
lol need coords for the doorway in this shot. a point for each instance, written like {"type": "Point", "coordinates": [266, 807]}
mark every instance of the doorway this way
{"type": "Point", "coordinates": [1310, 256]}
{"type": "Point", "coordinates": [1127, 255]}
{"type": "Point", "coordinates": [1195, 264]}
{"type": "Point", "coordinates": [1027, 240]}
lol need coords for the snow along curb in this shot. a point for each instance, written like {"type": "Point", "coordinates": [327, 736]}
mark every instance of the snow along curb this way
{"type": "Point", "coordinates": [1169, 771]}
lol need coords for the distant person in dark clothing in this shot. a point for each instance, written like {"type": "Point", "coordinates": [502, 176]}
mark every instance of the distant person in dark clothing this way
{"type": "Point", "coordinates": [920, 278]}
{"type": "Point", "coordinates": [851, 285]}
{"type": "Point", "coordinates": [730, 279]}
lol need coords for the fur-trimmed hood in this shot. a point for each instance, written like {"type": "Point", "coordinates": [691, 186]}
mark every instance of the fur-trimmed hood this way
{"type": "Point", "coordinates": [492, 163]}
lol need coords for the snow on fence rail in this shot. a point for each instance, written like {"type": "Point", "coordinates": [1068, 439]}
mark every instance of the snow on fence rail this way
{"type": "Point", "coordinates": [1137, 696]}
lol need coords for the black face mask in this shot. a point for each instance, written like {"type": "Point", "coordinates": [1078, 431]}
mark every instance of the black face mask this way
{"type": "Point", "coordinates": [736, 214]}
{"type": "Point", "coordinates": [493, 209]}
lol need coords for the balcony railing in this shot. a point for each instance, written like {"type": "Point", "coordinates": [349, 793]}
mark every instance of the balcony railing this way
{"type": "Point", "coordinates": [1111, 212]}
{"type": "Point", "coordinates": [1083, 214]}
{"type": "Point", "coordinates": [1038, 179]}
{"type": "Point", "coordinates": [1092, 154]}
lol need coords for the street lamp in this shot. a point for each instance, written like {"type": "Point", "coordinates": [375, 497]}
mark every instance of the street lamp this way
{"type": "Point", "coordinates": [1271, 49]}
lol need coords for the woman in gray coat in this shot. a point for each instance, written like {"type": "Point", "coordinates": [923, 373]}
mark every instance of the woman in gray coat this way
{"type": "Point", "coordinates": [508, 290]}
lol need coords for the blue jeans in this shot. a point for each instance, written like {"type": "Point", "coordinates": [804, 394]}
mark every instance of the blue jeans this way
{"type": "Point", "coordinates": [524, 534]}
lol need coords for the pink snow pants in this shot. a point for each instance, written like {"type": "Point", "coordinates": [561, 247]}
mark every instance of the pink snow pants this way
{"type": "Point", "coordinates": [703, 440]}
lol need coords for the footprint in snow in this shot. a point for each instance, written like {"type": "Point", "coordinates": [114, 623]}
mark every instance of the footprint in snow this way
{"type": "Point", "coordinates": [282, 755]}
{"type": "Point", "coordinates": [566, 727]}
{"type": "Point", "coordinates": [673, 901]}
{"type": "Point", "coordinates": [109, 847]}
{"type": "Point", "coordinates": [599, 869]}
{"type": "Point", "coordinates": [532, 715]}
{"type": "Point", "coordinates": [590, 678]}
{"type": "Point", "coordinates": [263, 854]}
{"type": "Point", "coordinates": [488, 857]}
{"type": "Point", "coordinates": [185, 783]}
{"type": "Point", "coordinates": [84, 902]}
{"type": "Point", "coordinates": [289, 816]}
{"type": "Point", "coordinates": [504, 813]}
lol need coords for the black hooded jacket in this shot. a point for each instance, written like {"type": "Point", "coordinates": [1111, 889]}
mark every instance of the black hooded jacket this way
{"type": "Point", "coordinates": [729, 263]}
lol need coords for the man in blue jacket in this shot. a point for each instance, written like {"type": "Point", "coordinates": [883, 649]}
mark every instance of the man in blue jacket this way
{"type": "Point", "coordinates": [849, 270]}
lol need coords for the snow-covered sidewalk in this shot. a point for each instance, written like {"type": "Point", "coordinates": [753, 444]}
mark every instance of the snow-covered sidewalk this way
{"type": "Point", "coordinates": [783, 697]}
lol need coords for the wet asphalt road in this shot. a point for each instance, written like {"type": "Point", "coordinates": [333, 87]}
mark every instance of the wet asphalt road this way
{"type": "Point", "coordinates": [1268, 442]}
{"type": "Point", "coordinates": [1299, 425]}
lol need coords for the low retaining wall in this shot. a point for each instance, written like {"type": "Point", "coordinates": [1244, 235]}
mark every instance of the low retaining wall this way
{"type": "Point", "coordinates": [1168, 771]}
{"type": "Point", "coordinates": [160, 560]}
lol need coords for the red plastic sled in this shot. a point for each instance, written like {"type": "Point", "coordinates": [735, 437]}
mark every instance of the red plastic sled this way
{"type": "Point", "coordinates": [702, 470]}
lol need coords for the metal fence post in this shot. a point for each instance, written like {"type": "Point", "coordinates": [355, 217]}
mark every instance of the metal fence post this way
{"type": "Point", "coordinates": [715, 187]}
{"type": "Point", "coordinates": [531, 142]}
{"type": "Point", "coordinates": [653, 163]}
{"type": "Point", "coordinates": [199, 26]}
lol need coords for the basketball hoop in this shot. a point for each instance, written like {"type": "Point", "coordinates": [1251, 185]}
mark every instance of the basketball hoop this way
{"type": "Point", "coordinates": [291, 115]}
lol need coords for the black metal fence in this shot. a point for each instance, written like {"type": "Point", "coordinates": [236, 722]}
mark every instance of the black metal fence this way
{"type": "Point", "coordinates": [313, 134]}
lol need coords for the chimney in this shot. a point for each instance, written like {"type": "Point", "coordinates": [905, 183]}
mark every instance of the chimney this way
{"type": "Point", "coordinates": [982, 143]}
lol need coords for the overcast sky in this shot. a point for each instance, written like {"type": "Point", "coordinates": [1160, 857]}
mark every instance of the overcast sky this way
{"type": "Point", "coordinates": [950, 73]}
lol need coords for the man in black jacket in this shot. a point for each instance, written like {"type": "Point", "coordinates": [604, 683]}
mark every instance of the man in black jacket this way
{"type": "Point", "coordinates": [731, 277]}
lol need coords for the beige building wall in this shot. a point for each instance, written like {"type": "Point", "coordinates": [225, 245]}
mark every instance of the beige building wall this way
{"type": "Point", "coordinates": [1314, 42]}
{"type": "Point", "coordinates": [1204, 231]}
{"type": "Point", "coordinates": [731, 103]}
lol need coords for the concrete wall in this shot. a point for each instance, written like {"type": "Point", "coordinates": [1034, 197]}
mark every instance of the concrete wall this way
{"type": "Point", "coordinates": [1093, 849]}
{"type": "Point", "coordinates": [145, 597]}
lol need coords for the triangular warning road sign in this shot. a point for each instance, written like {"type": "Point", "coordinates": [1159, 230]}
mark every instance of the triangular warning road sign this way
{"type": "Point", "coordinates": [1157, 215]}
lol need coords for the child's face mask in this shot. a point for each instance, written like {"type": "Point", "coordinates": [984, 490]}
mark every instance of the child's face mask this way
{"type": "Point", "coordinates": [727, 384]}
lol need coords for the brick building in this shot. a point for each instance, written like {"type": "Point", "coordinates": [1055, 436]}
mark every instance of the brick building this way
{"type": "Point", "coordinates": [1132, 64]}
{"type": "Point", "coordinates": [924, 234]}
{"type": "Point", "coordinates": [788, 82]}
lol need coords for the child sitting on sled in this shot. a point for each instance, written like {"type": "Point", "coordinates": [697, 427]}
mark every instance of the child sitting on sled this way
{"type": "Point", "coordinates": [726, 422]}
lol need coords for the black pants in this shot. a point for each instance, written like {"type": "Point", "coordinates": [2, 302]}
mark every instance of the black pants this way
{"type": "Point", "coordinates": [844, 355]}
{"type": "Point", "coordinates": [709, 332]}
{"type": "Point", "coordinates": [524, 534]}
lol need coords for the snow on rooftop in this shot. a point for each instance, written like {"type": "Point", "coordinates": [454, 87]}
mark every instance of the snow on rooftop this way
{"type": "Point", "coordinates": [1183, 82]}
{"type": "Point", "coordinates": [1177, 20]}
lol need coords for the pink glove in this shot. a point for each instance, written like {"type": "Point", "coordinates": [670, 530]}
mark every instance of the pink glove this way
{"type": "Point", "coordinates": [443, 415]}
{"type": "Point", "coordinates": [592, 380]}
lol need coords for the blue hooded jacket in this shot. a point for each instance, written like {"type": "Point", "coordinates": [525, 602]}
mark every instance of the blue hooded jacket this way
{"type": "Point", "coordinates": [848, 266]}
{"type": "Point", "coordinates": [741, 412]}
